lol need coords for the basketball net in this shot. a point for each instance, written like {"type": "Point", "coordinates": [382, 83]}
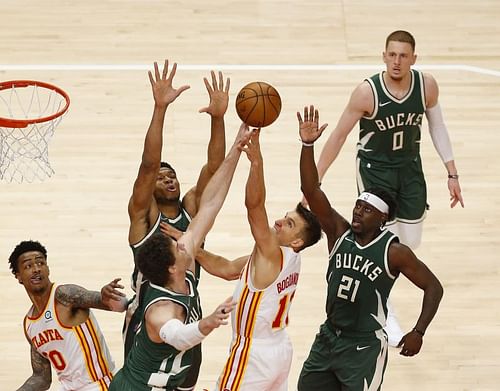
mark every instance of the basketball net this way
{"type": "Point", "coordinates": [29, 113]}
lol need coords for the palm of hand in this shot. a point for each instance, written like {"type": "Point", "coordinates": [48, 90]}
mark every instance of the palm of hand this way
{"type": "Point", "coordinates": [309, 131]}
{"type": "Point", "coordinates": [164, 93]}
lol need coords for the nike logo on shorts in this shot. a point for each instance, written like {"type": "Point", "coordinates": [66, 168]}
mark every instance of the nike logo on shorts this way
{"type": "Point", "coordinates": [358, 348]}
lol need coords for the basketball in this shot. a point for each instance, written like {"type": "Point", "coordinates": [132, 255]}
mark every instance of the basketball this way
{"type": "Point", "coordinates": [258, 104]}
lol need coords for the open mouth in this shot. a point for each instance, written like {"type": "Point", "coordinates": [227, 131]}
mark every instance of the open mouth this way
{"type": "Point", "coordinates": [36, 279]}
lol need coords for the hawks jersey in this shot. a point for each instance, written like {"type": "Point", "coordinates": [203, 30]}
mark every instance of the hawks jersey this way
{"type": "Point", "coordinates": [159, 366]}
{"type": "Point", "coordinates": [390, 136]}
{"type": "Point", "coordinates": [359, 282]}
{"type": "Point", "coordinates": [259, 318]}
{"type": "Point", "coordinates": [79, 354]}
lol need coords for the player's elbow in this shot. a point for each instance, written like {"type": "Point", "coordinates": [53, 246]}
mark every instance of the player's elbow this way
{"type": "Point", "coordinates": [436, 290]}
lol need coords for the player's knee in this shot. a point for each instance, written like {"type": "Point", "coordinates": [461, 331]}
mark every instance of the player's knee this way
{"type": "Point", "coordinates": [410, 235]}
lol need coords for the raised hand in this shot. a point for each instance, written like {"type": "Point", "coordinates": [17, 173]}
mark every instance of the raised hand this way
{"type": "Point", "coordinates": [309, 129]}
{"type": "Point", "coordinates": [219, 95]}
{"type": "Point", "coordinates": [252, 148]}
{"type": "Point", "coordinates": [218, 317]}
{"type": "Point", "coordinates": [243, 136]}
{"type": "Point", "coordinates": [112, 297]}
{"type": "Point", "coordinates": [163, 91]}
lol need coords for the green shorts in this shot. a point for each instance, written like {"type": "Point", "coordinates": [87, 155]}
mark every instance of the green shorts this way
{"type": "Point", "coordinates": [406, 184]}
{"type": "Point", "coordinates": [344, 362]}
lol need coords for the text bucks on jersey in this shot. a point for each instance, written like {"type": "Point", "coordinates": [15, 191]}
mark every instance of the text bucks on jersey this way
{"type": "Point", "coordinates": [359, 283]}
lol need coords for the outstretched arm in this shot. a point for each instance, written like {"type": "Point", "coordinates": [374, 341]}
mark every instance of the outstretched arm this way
{"type": "Point", "coordinates": [214, 264]}
{"type": "Point", "coordinates": [441, 139]}
{"type": "Point", "coordinates": [142, 199]}
{"type": "Point", "coordinates": [41, 378]}
{"type": "Point", "coordinates": [331, 222]}
{"type": "Point", "coordinates": [165, 323]}
{"type": "Point", "coordinates": [219, 266]}
{"type": "Point", "coordinates": [360, 103]}
{"type": "Point", "coordinates": [219, 99]}
{"type": "Point", "coordinates": [255, 197]}
{"type": "Point", "coordinates": [110, 298]}
{"type": "Point", "coordinates": [214, 195]}
{"type": "Point", "coordinates": [403, 260]}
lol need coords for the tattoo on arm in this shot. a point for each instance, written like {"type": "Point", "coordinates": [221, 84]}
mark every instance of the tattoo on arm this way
{"type": "Point", "coordinates": [78, 297]}
{"type": "Point", "coordinates": [42, 375]}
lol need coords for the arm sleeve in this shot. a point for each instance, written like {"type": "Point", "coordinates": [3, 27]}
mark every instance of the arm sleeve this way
{"type": "Point", "coordinates": [181, 336]}
{"type": "Point", "coordinates": [439, 133]}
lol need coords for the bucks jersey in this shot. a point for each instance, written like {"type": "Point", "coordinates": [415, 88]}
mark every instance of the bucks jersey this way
{"type": "Point", "coordinates": [390, 136]}
{"type": "Point", "coordinates": [180, 222]}
{"type": "Point", "coordinates": [158, 366]}
{"type": "Point", "coordinates": [78, 354]}
{"type": "Point", "coordinates": [359, 282]}
{"type": "Point", "coordinates": [259, 323]}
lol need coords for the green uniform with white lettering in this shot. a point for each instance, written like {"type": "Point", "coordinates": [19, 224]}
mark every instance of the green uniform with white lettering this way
{"type": "Point", "coordinates": [388, 154]}
{"type": "Point", "coordinates": [350, 350]}
{"type": "Point", "coordinates": [180, 222]}
{"type": "Point", "coordinates": [158, 366]}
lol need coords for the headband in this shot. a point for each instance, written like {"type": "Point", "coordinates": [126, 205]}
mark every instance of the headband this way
{"type": "Point", "coordinates": [375, 201]}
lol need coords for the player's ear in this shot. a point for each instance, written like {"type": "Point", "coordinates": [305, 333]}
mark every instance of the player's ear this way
{"type": "Point", "coordinates": [297, 243]}
{"type": "Point", "coordinates": [384, 219]}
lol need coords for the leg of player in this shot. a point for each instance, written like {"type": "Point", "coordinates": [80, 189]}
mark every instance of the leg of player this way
{"type": "Point", "coordinates": [409, 234]}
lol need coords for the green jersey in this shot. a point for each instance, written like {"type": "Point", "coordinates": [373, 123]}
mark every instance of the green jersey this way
{"type": "Point", "coordinates": [359, 282]}
{"type": "Point", "coordinates": [390, 136]}
{"type": "Point", "coordinates": [180, 222]}
{"type": "Point", "coordinates": [159, 366]}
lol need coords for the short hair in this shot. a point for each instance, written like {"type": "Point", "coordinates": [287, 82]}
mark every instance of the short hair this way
{"type": "Point", "coordinates": [311, 233]}
{"type": "Point", "coordinates": [401, 36]}
{"type": "Point", "coordinates": [388, 198]}
{"type": "Point", "coordinates": [154, 257]}
{"type": "Point", "coordinates": [167, 165]}
{"type": "Point", "coordinates": [24, 247]}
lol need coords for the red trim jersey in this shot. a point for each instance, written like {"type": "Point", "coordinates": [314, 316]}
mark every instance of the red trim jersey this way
{"type": "Point", "coordinates": [259, 322]}
{"type": "Point", "coordinates": [78, 354]}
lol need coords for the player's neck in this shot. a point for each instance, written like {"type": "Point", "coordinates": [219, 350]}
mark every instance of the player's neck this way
{"type": "Point", "coordinates": [178, 284]}
{"type": "Point", "coordinates": [366, 237]}
{"type": "Point", "coordinates": [40, 299]}
{"type": "Point", "coordinates": [170, 209]}
{"type": "Point", "coordinates": [397, 87]}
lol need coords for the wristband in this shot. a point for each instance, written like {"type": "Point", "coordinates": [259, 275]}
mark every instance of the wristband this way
{"type": "Point", "coordinates": [418, 331]}
{"type": "Point", "coordinates": [307, 144]}
{"type": "Point", "coordinates": [452, 176]}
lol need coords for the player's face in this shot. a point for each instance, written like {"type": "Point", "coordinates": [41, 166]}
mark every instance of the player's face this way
{"type": "Point", "coordinates": [182, 258]}
{"type": "Point", "coordinates": [398, 58]}
{"type": "Point", "coordinates": [33, 271]}
{"type": "Point", "coordinates": [289, 228]}
{"type": "Point", "coordinates": [167, 185]}
{"type": "Point", "coordinates": [365, 217]}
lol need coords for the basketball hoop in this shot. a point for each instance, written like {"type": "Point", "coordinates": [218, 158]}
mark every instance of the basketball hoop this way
{"type": "Point", "coordinates": [29, 113]}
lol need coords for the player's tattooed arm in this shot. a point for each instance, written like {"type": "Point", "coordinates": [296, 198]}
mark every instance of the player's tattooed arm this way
{"type": "Point", "coordinates": [78, 297]}
{"type": "Point", "coordinates": [42, 376]}
{"type": "Point", "coordinates": [110, 298]}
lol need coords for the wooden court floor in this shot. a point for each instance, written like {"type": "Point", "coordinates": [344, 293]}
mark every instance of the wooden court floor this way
{"type": "Point", "coordinates": [100, 52]}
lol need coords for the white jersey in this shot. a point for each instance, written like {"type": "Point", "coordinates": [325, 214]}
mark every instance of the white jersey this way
{"type": "Point", "coordinates": [260, 353]}
{"type": "Point", "coordinates": [79, 354]}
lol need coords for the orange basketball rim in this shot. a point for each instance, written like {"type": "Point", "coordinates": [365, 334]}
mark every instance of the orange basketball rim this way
{"type": "Point", "coordinates": [24, 122]}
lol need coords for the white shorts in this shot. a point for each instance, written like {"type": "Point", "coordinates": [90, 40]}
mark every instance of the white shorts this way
{"type": "Point", "coordinates": [257, 364]}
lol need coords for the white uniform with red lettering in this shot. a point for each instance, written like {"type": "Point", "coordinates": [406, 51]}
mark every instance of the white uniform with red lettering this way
{"type": "Point", "coordinates": [79, 354]}
{"type": "Point", "coordinates": [261, 352]}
